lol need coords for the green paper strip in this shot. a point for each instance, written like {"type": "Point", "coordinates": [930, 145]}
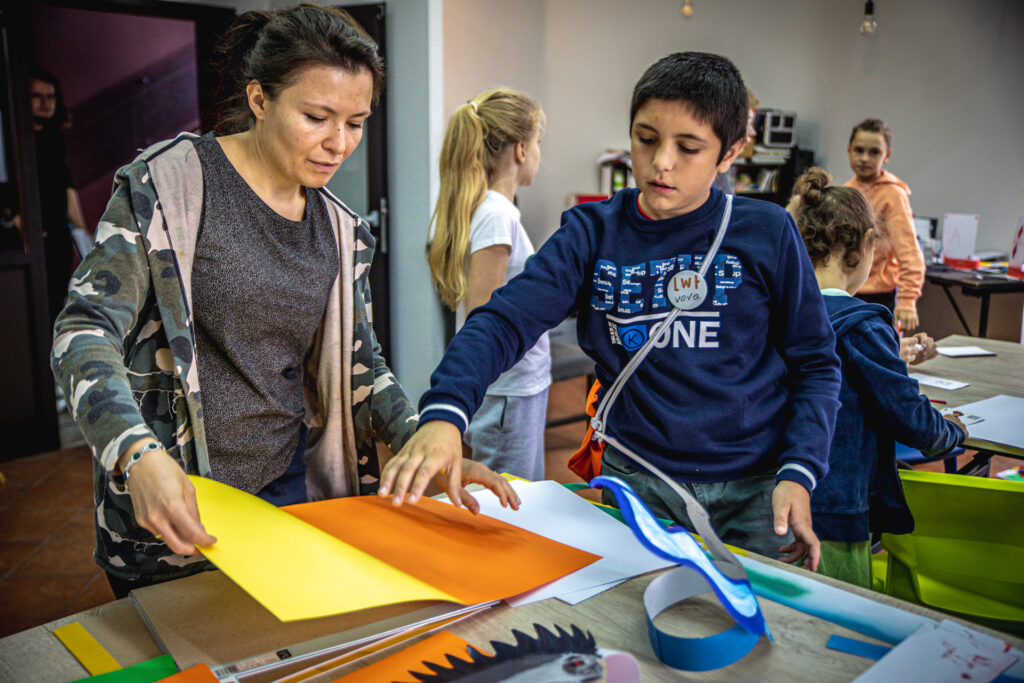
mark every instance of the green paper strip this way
{"type": "Point", "coordinates": [143, 672]}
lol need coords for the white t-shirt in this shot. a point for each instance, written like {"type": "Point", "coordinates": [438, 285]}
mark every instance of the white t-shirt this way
{"type": "Point", "coordinates": [496, 221]}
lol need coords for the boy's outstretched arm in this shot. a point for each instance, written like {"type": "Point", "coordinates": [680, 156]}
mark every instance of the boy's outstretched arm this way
{"type": "Point", "coordinates": [791, 506]}
{"type": "Point", "coordinates": [435, 450]}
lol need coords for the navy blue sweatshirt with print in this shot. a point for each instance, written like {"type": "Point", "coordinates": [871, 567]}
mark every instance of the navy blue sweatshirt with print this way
{"type": "Point", "coordinates": [745, 383]}
{"type": "Point", "coordinates": [879, 402]}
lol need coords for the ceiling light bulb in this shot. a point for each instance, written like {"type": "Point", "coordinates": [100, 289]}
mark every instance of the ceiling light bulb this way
{"type": "Point", "coordinates": [868, 24]}
{"type": "Point", "coordinates": [687, 9]}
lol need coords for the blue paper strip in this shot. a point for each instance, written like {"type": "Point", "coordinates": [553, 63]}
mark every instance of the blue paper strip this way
{"type": "Point", "coordinates": [678, 545]}
{"type": "Point", "coordinates": [857, 647]}
{"type": "Point", "coordinates": [696, 575]}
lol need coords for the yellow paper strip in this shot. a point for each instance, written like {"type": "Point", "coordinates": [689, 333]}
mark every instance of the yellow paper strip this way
{"type": "Point", "coordinates": [295, 570]}
{"type": "Point", "coordinates": [86, 649]}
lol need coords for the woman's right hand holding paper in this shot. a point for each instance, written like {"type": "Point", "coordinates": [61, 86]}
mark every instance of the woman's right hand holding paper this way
{"type": "Point", "coordinates": [164, 502]}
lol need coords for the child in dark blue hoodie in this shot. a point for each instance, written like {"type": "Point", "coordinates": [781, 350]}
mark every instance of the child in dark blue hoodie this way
{"type": "Point", "coordinates": [861, 493]}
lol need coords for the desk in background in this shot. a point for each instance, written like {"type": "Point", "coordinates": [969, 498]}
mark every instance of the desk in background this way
{"type": "Point", "coordinates": [987, 376]}
{"type": "Point", "coordinates": [973, 284]}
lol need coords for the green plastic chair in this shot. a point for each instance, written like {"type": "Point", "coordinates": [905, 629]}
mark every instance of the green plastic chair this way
{"type": "Point", "coordinates": [966, 554]}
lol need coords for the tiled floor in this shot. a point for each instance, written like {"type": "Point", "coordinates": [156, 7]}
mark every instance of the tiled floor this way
{"type": "Point", "coordinates": [46, 540]}
{"type": "Point", "coordinates": [46, 531]}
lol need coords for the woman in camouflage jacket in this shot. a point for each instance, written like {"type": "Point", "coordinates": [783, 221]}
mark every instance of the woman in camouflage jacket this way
{"type": "Point", "coordinates": [125, 350]}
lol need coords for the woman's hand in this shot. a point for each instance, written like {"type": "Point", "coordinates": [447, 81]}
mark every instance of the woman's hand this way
{"type": "Point", "coordinates": [164, 502]}
{"type": "Point", "coordinates": [434, 449]}
{"type": "Point", "coordinates": [791, 505]}
{"type": "Point", "coordinates": [478, 473]}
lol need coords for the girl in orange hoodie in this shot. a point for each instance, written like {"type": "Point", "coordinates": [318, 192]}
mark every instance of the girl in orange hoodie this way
{"type": "Point", "coordinates": [897, 271]}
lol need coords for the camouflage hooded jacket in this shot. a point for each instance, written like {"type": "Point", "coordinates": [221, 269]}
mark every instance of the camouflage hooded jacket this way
{"type": "Point", "coordinates": [124, 353]}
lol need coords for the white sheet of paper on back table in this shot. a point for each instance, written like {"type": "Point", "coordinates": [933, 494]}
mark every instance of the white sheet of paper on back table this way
{"type": "Point", "coordinates": [1003, 423]}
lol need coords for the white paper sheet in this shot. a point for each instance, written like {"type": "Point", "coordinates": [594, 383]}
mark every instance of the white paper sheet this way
{"type": "Point", "coordinates": [576, 597]}
{"type": "Point", "coordinates": [959, 233]}
{"type": "Point", "coordinates": [1001, 417]}
{"type": "Point", "coordinates": [961, 351]}
{"type": "Point", "coordinates": [551, 510]}
{"type": "Point", "coordinates": [938, 382]}
{"type": "Point", "coordinates": [942, 652]}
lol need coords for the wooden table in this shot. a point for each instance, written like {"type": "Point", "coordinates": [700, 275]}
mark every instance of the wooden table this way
{"type": "Point", "coordinates": [987, 376]}
{"type": "Point", "coordinates": [615, 618]}
{"type": "Point", "coordinates": [976, 284]}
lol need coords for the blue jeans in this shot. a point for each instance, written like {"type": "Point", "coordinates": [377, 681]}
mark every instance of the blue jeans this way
{"type": "Point", "coordinates": [290, 487]}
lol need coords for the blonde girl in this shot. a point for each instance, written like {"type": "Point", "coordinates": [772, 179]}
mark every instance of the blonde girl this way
{"type": "Point", "coordinates": [478, 243]}
{"type": "Point", "coordinates": [897, 269]}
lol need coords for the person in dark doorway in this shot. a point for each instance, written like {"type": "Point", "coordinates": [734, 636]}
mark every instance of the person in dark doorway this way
{"type": "Point", "coordinates": [58, 198]}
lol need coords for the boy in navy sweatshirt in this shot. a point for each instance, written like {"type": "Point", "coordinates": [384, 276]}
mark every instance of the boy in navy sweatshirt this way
{"type": "Point", "coordinates": [738, 398]}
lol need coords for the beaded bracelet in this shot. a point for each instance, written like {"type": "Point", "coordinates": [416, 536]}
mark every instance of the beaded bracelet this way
{"type": "Point", "coordinates": [137, 455]}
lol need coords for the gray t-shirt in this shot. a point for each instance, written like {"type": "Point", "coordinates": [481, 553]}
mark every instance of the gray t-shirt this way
{"type": "Point", "coordinates": [260, 284]}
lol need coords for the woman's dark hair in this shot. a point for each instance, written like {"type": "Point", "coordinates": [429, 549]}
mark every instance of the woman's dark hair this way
{"type": "Point", "coordinates": [833, 220]}
{"type": "Point", "coordinates": [709, 84]}
{"type": "Point", "coordinates": [873, 126]}
{"type": "Point", "coordinates": [272, 48]}
{"type": "Point", "coordinates": [61, 118]}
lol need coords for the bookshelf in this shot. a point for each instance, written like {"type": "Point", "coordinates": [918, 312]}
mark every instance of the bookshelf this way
{"type": "Point", "coordinates": [770, 173]}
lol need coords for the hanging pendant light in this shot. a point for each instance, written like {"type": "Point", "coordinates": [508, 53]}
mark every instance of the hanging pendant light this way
{"type": "Point", "coordinates": [868, 24]}
{"type": "Point", "coordinates": [687, 9]}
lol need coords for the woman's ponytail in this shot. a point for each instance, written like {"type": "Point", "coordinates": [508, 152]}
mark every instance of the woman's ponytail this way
{"type": "Point", "coordinates": [232, 63]}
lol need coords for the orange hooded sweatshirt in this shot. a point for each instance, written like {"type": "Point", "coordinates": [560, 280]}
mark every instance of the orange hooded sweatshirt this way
{"type": "Point", "coordinates": [898, 262]}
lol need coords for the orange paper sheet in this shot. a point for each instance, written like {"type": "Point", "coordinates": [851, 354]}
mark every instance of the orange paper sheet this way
{"type": "Point", "coordinates": [200, 673]}
{"type": "Point", "coordinates": [397, 666]}
{"type": "Point", "coordinates": [348, 554]}
{"type": "Point", "coordinates": [474, 558]}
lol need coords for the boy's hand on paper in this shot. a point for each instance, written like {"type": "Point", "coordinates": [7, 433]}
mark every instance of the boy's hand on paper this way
{"type": "Point", "coordinates": [958, 422]}
{"type": "Point", "coordinates": [791, 506]}
{"type": "Point", "coordinates": [478, 473]}
{"type": "Point", "coordinates": [906, 320]}
{"type": "Point", "coordinates": [434, 449]}
{"type": "Point", "coordinates": [918, 348]}
{"type": "Point", "coordinates": [164, 503]}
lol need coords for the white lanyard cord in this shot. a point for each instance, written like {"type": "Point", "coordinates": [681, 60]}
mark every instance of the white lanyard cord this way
{"type": "Point", "coordinates": [694, 510]}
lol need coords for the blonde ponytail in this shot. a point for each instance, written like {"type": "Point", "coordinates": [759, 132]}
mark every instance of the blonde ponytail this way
{"type": "Point", "coordinates": [478, 134]}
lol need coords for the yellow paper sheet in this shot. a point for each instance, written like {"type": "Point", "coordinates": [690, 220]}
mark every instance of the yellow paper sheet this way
{"type": "Point", "coordinates": [298, 571]}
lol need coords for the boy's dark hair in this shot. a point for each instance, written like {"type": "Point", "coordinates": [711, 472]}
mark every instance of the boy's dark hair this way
{"type": "Point", "coordinates": [710, 84]}
{"type": "Point", "coordinates": [873, 126]}
{"type": "Point", "coordinates": [833, 220]}
{"type": "Point", "coordinates": [273, 48]}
